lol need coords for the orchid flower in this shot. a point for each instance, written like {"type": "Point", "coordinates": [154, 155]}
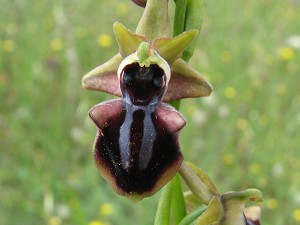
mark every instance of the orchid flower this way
{"type": "Point", "coordinates": [136, 148]}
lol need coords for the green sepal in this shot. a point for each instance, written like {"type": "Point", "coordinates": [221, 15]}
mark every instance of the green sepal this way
{"type": "Point", "coordinates": [205, 178]}
{"type": "Point", "coordinates": [104, 77]}
{"type": "Point", "coordinates": [186, 82]}
{"type": "Point", "coordinates": [171, 48]}
{"type": "Point", "coordinates": [127, 41]}
{"type": "Point", "coordinates": [195, 183]}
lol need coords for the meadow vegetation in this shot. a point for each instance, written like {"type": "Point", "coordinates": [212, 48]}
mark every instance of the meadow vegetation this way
{"type": "Point", "coordinates": [246, 134]}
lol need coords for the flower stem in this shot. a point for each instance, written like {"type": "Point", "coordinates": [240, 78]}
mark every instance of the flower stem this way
{"type": "Point", "coordinates": [178, 203]}
{"type": "Point", "coordinates": [195, 184]}
{"type": "Point", "coordinates": [179, 19]}
{"type": "Point", "coordinates": [164, 206]}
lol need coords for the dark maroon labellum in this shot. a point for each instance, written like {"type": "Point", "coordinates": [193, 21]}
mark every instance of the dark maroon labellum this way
{"type": "Point", "coordinates": [137, 147]}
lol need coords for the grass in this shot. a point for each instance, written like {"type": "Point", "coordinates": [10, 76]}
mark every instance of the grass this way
{"type": "Point", "coordinates": [245, 135]}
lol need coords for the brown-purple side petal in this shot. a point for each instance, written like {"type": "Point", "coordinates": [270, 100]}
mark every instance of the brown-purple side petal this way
{"type": "Point", "coordinates": [170, 118]}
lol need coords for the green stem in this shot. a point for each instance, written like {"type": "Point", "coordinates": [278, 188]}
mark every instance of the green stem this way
{"type": "Point", "coordinates": [178, 203]}
{"type": "Point", "coordinates": [179, 19]}
{"type": "Point", "coordinates": [173, 190]}
{"type": "Point", "coordinates": [195, 184]}
{"type": "Point", "coordinates": [193, 20]}
{"type": "Point", "coordinates": [164, 206]}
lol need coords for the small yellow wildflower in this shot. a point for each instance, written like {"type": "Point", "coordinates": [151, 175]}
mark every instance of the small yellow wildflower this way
{"type": "Point", "coordinates": [228, 159]}
{"type": "Point", "coordinates": [286, 53]}
{"type": "Point", "coordinates": [8, 45]}
{"type": "Point", "coordinates": [106, 209]}
{"type": "Point", "coordinates": [122, 9]}
{"type": "Point", "coordinates": [256, 168]}
{"type": "Point", "coordinates": [230, 92]}
{"type": "Point", "coordinates": [98, 222]}
{"type": "Point", "coordinates": [54, 221]}
{"type": "Point", "coordinates": [272, 203]}
{"type": "Point", "coordinates": [56, 45]}
{"type": "Point", "coordinates": [296, 214]}
{"type": "Point", "coordinates": [104, 40]}
{"type": "Point", "coordinates": [242, 123]}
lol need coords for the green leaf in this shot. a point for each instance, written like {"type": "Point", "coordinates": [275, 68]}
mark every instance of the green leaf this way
{"type": "Point", "coordinates": [192, 217]}
{"type": "Point", "coordinates": [164, 206]}
{"type": "Point", "coordinates": [178, 204]}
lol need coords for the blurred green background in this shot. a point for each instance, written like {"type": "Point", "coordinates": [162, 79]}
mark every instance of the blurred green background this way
{"type": "Point", "coordinates": [247, 134]}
